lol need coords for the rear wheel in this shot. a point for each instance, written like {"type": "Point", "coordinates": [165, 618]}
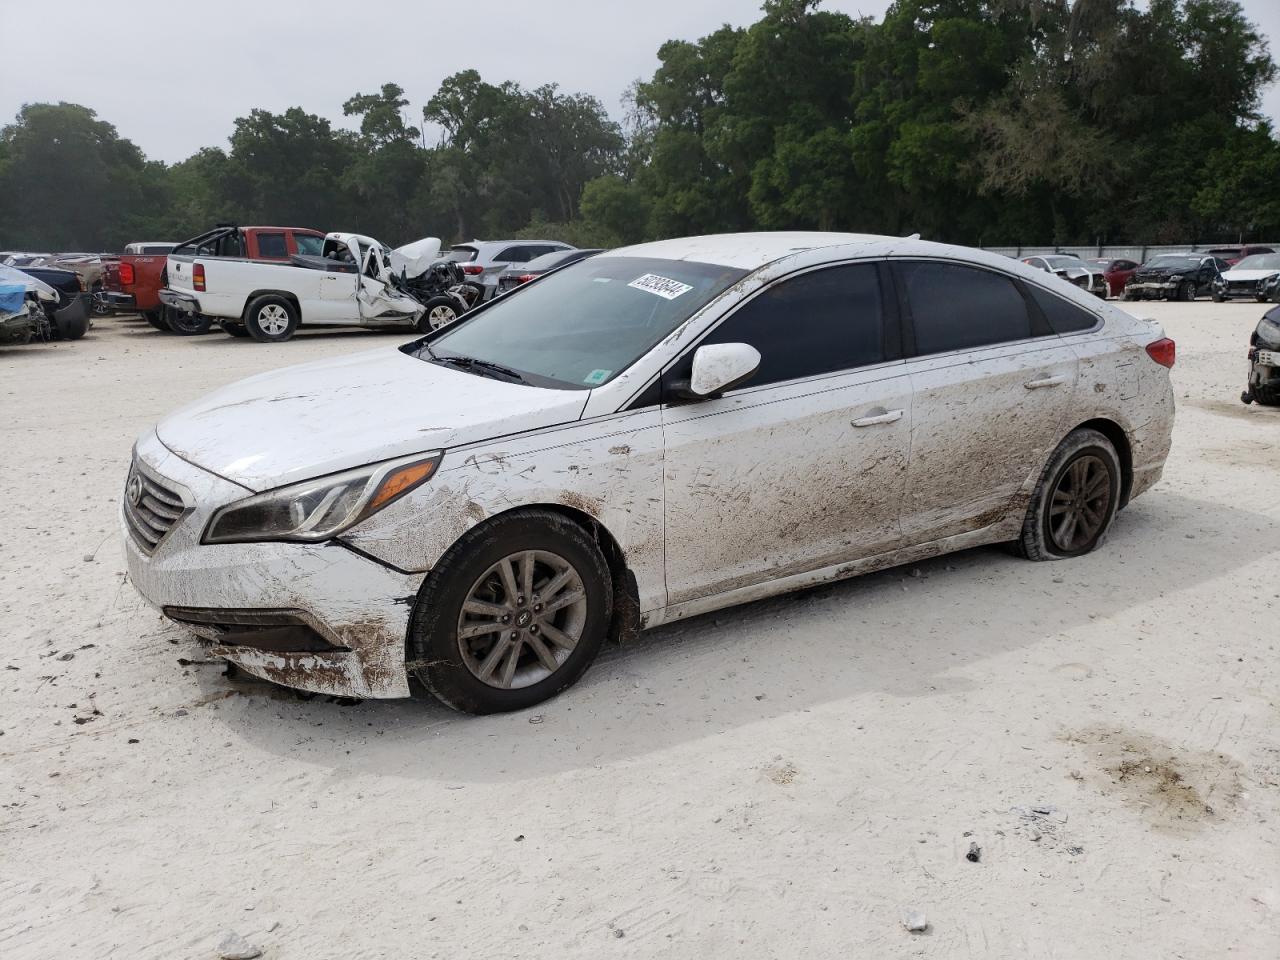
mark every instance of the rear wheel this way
{"type": "Point", "coordinates": [187, 324]}
{"type": "Point", "coordinates": [515, 612]}
{"type": "Point", "coordinates": [1075, 501]}
{"type": "Point", "coordinates": [271, 319]}
{"type": "Point", "coordinates": [156, 319]}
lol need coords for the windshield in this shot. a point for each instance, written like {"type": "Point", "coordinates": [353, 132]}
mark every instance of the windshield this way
{"type": "Point", "coordinates": [582, 326]}
{"type": "Point", "coordinates": [1182, 263]}
{"type": "Point", "coordinates": [1259, 261]}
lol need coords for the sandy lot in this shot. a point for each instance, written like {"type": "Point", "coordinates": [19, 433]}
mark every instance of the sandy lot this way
{"type": "Point", "coordinates": [781, 780]}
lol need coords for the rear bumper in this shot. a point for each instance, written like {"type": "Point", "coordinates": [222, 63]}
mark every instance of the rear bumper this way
{"type": "Point", "coordinates": [122, 302]}
{"type": "Point", "coordinates": [179, 301]}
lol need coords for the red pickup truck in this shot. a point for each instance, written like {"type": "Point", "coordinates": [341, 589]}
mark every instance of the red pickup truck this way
{"type": "Point", "coordinates": [139, 275]}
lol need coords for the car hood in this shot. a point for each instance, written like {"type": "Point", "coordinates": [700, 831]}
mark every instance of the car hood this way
{"type": "Point", "coordinates": [1239, 275]}
{"type": "Point", "coordinates": [306, 421]}
{"type": "Point", "coordinates": [1163, 271]}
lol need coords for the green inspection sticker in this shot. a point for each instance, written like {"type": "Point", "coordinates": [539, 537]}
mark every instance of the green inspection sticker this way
{"type": "Point", "coordinates": [597, 376]}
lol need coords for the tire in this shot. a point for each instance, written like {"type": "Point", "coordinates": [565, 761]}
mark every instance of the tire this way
{"type": "Point", "coordinates": [438, 312]}
{"type": "Point", "coordinates": [1126, 295]}
{"type": "Point", "coordinates": [187, 324]}
{"type": "Point", "coordinates": [1266, 396]}
{"type": "Point", "coordinates": [1185, 291]}
{"type": "Point", "coordinates": [157, 319]}
{"type": "Point", "coordinates": [452, 668]}
{"type": "Point", "coordinates": [1085, 455]}
{"type": "Point", "coordinates": [271, 319]}
{"type": "Point", "coordinates": [1218, 298]}
{"type": "Point", "coordinates": [233, 329]}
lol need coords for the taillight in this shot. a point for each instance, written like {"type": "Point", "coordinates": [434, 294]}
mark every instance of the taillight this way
{"type": "Point", "coordinates": [1162, 351]}
{"type": "Point", "coordinates": [197, 278]}
{"type": "Point", "coordinates": [472, 269]}
{"type": "Point", "coordinates": [126, 274]}
{"type": "Point", "coordinates": [524, 277]}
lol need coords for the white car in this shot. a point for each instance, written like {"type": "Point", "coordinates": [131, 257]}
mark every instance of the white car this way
{"type": "Point", "coordinates": [354, 282]}
{"type": "Point", "coordinates": [1074, 270]}
{"type": "Point", "coordinates": [1256, 277]}
{"type": "Point", "coordinates": [653, 433]}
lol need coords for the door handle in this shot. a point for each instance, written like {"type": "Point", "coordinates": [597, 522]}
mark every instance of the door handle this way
{"type": "Point", "coordinates": [875, 419]}
{"type": "Point", "coordinates": [1046, 382]}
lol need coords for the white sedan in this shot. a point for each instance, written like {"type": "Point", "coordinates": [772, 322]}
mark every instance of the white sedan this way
{"type": "Point", "coordinates": [657, 432]}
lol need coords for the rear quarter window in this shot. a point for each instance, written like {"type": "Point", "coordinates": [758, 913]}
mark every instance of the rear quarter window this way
{"type": "Point", "coordinates": [1063, 316]}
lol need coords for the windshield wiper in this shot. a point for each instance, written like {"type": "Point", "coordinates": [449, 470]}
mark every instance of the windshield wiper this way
{"type": "Point", "coordinates": [485, 367]}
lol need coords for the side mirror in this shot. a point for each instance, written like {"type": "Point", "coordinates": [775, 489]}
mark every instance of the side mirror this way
{"type": "Point", "coordinates": [719, 367]}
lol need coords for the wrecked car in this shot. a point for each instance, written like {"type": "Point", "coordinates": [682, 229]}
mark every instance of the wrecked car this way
{"type": "Point", "coordinates": [1073, 270]}
{"type": "Point", "coordinates": [1254, 277]}
{"type": "Point", "coordinates": [653, 433]}
{"type": "Point", "coordinates": [353, 281]}
{"type": "Point", "coordinates": [69, 315]}
{"type": "Point", "coordinates": [22, 313]}
{"type": "Point", "coordinates": [1174, 276]}
{"type": "Point", "coordinates": [1264, 362]}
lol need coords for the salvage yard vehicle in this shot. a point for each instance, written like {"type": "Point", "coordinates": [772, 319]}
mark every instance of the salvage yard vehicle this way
{"type": "Point", "coordinates": [653, 433]}
{"type": "Point", "coordinates": [133, 280]}
{"type": "Point", "coordinates": [1233, 254]}
{"type": "Point", "coordinates": [483, 260]}
{"type": "Point", "coordinates": [352, 280]}
{"type": "Point", "coordinates": [1264, 362]}
{"type": "Point", "coordinates": [515, 275]}
{"type": "Point", "coordinates": [22, 299]}
{"type": "Point", "coordinates": [1253, 277]}
{"type": "Point", "coordinates": [1115, 271]}
{"type": "Point", "coordinates": [69, 312]}
{"type": "Point", "coordinates": [1175, 276]}
{"type": "Point", "coordinates": [1072, 269]}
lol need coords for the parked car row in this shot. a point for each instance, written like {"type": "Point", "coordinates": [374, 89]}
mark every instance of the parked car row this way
{"type": "Point", "coordinates": [1223, 273]}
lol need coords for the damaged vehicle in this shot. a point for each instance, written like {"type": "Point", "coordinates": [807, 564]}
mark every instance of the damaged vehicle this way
{"type": "Point", "coordinates": [1254, 277]}
{"type": "Point", "coordinates": [1264, 362]}
{"type": "Point", "coordinates": [1174, 276]}
{"type": "Point", "coordinates": [353, 281]}
{"type": "Point", "coordinates": [1073, 270]}
{"type": "Point", "coordinates": [22, 307]}
{"type": "Point", "coordinates": [653, 433]}
{"type": "Point", "coordinates": [69, 315]}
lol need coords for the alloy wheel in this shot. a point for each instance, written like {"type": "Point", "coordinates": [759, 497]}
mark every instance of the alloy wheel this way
{"type": "Point", "coordinates": [441, 316]}
{"type": "Point", "coordinates": [1081, 503]}
{"type": "Point", "coordinates": [522, 619]}
{"type": "Point", "coordinates": [273, 319]}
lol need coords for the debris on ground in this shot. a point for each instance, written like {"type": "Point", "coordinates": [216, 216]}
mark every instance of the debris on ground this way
{"type": "Point", "coordinates": [236, 947]}
{"type": "Point", "coordinates": [974, 854]}
{"type": "Point", "coordinates": [915, 921]}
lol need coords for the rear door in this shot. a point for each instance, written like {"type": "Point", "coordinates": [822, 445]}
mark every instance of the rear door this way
{"type": "Point", "coordinates": [803, 465]}
{"type": "Point", "coordinates": [992, 387]}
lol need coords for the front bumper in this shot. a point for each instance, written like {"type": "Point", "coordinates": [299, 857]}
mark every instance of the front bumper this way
{"type": "Point", "coordinates": [359, 607]}
{"type": "Point", "coordinates": [1151, 289]}
{"type": "Point", "coordinates": [180, 301]}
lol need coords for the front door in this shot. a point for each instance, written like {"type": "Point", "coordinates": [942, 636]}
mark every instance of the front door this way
{"type": "Point", "coordinates": [803, 465]}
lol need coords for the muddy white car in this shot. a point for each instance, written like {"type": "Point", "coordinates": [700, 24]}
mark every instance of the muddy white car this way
{"type": "Point", "coordinates": [650, 434]}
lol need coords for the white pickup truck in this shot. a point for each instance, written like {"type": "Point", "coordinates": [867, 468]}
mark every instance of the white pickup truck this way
{"type": "Point", "coordinates": [355, 281]}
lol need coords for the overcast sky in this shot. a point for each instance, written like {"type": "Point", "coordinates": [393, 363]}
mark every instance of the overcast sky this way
{"type": "Point", "coordinates": [173, 76]}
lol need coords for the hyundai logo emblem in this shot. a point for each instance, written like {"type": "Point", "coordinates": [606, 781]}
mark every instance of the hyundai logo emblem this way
{"type": "Point", "coordinates": [133, 489]}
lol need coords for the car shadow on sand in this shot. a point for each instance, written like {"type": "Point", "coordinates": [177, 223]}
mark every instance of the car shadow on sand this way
{"type": "Point", "coordinates": [907, 632]}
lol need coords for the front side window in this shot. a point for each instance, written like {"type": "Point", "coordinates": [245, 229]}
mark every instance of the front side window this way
{"type": "Point", "coordinates": [581, 326]}
{"type": "Point", "coordinates": [271, 246]}
{"type": "Point", "coordinates": [956, 307]}
{"type": "Point", "coordinates": [820, 322]}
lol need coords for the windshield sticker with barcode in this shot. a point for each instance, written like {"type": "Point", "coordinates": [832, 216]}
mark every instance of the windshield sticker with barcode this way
{"type": "Point", "coordinates": [596, 377]}
{"type": "Point", "coordinates": [663, 287]}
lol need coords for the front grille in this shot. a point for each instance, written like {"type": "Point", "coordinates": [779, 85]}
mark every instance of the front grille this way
{"type": "Point", "coordinates": [150, 508]}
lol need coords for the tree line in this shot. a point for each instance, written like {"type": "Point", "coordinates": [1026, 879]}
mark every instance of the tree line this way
{"type": "Point", "coordinates": [969, 121]}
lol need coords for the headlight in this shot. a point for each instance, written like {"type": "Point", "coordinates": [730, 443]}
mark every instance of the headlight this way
{"type": "Point", "coordinates": [322, 508]}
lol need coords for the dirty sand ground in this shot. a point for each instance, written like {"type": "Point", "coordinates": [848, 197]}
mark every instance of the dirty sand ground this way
{"type": "Point", "coordinates": [781, 780]}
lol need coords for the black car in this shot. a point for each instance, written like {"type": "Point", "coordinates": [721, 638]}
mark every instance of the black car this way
{"type": "Point", "coordinates": [1175, 276]}
{"type": "Point", "coordinates": [519, 273]}
{"type": "Point", "coordinates": [1264, 361]}
{"type": "Point", "coordinates": [69, 317]}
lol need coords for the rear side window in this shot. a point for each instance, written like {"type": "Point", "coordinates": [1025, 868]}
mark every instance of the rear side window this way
{"type": "Point", "coordinates": [513, 255]}
{"type": "Point", "coordinates": [309, 245]}
{"type": "Point", "coordinates": [819, 322]}
{"type": "Point", "coordinates": [272, 246]}
{"type": "Point", "coordinates": [954, 307]}
{"type": "Point", "coordinates": [1063, 316]}
{"type": "Point", "coordinates": [461, 254]}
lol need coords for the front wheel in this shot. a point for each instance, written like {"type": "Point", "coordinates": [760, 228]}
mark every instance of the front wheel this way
{"type": "Point", "coordinates": [187, 324]}
{"type": "Point", "coordinates": [438, 312]}
{"type": "Point", "coordinates": [1075, 501]}
{"type": "Point", "coordinates": [1217, 297]}
{"type": "Point", "coordinates": [271, 319]}
{"type": "Point", "coordinates": [1186, 291]}
{"type": "Point", "coordinates": [514, 613]}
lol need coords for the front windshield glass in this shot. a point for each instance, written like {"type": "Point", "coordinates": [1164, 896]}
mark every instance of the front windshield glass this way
{"type": "Point", "coordinates": [1181, 263]}
{"type": "Point", "coordinates": [582, 326]}
{"type": "Point", "coordinates": [1259, 261]}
